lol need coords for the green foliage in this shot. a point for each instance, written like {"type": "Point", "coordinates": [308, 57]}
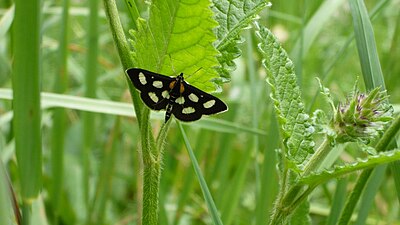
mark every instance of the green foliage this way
{"type": "Point", "coordinates": [295, 122]}
{"type": "Point", "coordinates": [26, 98]}
{"type": "Point", "coordinates": [362, 118]}
{"type": "Point", "coordinates": [180, 31]}
{"type": "Point", "coordinates": [128, 167]}
{"type": "Point", "coordinates": [233, 16]}
{"type": "Point", "coordinates": [360, 164]}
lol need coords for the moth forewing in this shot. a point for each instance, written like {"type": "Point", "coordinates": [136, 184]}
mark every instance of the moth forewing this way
{"type": "Point", "coordinates": [206, 103]}
{"type": "Point", "coordinates": [175, 95]}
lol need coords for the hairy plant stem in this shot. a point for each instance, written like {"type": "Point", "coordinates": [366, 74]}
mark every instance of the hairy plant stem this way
{"type": "Point", "coordinates": [117, 32]}
{"type": "Point", "coordinates": [317, 157]}
{"type": "Point", "coordinates": [152, 152]}
{"type": "Point", "coordinates": [296, 194]}
{"type": "Point", "coordinates": [151, 149]}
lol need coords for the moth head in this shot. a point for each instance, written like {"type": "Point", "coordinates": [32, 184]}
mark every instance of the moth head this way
{"type": "Point", "coordinates": [180, 78]}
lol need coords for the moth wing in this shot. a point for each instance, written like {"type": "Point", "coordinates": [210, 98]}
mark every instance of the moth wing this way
{"type": "Point", "coordinates": [143, 80]}
{"type": "Point", "coordinates": [153, 87]}
{"type": "Point", "coordinates": [148, 98]}
{"type": "Point", "coordinates": [208, 104]}
{"type": "Point", "coordinates": [196, 104]}
{"type": "Point", "coordinates": [178, 112]}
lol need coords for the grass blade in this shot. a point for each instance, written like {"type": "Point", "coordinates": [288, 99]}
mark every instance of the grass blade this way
{"type": "Point", "coordinates": [5, 198]}
{"type": "Point", "coordinates": [207, 195]}
{"type": "Point", "coordinates": [366, 46]}
{"type": "Point", "coordinates": [26, 97]}
{"type": "Point", "coordinates": [338, 202]}
{"type": "Point", "coordinates": [50, 100]}
{"type": "Point", "coordinates": [59, 117]}
{"type": "Point", "coordinates": [314, 27]}
{"type": "Point", "coordinates": [90, 91]}
{"type": "Point", "coordinates": [368, 197]}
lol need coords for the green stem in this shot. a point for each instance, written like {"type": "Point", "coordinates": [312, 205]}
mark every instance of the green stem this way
{"type": "Point", "coordinates": [26, 96]}
{"type": "Point", "coordinates": [151, 150]}
{"type": "Point", "coordinates": [388, 136]}
{"type": "Point", "coordinates": [152, 158]}
{"type": "Point", "coordinates": [123, 51]}
{"type": "Point", "coordinates": [288, 202]}
{"type": "Point", "coordinates": [26, 210]}
{"type": "Point", "coordinates": [364, 176]}
{"type": "Point", "coordinates": [59, 118]}
{"type": "Point", "coordinates": [90, 91]}
{"type": "Point", "coordinates": [355, 195]}
{"type": "Point", "coordinates": [317, 157]}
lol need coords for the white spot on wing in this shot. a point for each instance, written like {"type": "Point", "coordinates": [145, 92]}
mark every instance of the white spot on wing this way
{"type": "Point", "coordinates": [165, 94]}
{"type": "Point", "coordinates": [142, 78]}
{"type": "Point", "coordinates": [153, 97]}
{"type": "Point", "coordinates": [157, 84]}
{"type": "Point", "coordinates": [180, 100]}
{"type": "Point", "coordinates": [188, 110]}
{"type": "Point", "coordinates": [209, 104]}
{"type": "Point", "coordinates": [193, 97]}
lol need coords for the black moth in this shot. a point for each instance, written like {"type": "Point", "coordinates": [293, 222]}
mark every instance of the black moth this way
{"type": "Point", "coordinates": [174, 95]}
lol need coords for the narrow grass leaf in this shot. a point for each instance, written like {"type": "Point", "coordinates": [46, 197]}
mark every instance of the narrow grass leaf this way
{"type": "Point", "coordinates": [352, 200]}
{"type": "Point", "coordinates": [314, 27]}
{"type": "Point", "coordinates": [26, 97]}
{"type": "Point", "coordinates": [51, 100]}
{"type": "Point", "coordinates": [6, 21]}
{"type": "Point", "coordinates": [90, 86]}
{"type": "Point", "coordinates": [338, 202]}
{"type": "Point", "coordinates": [5, 198]}
{"type": "Point", "coordinates": [268, 185]}
{"type": "Point", "coordinates": [368, 196]}
{"type": "Point", "coordinates": [206, 193]}
{"type": "Point", "coordinates": [371, 69]}
{"type": "Point", "coordinates": [345, 47]}
{"type": "Point", "coordinates": [366, 46]}
{"type": "Point", "coordinates": [59, 116]}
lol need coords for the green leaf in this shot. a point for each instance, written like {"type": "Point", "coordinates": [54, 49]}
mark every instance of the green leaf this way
{"type": "Point", "coordinates": [26, 97]}
{"type": "Point", "coordinates": [204, 188]}
{"type": "Point", "coordinates": [338, 202]}
{"type": "Point", "coordinates": [369, 193]}
{"type": "Point", "coordinates": [5, 198]}
{"type": "Point", "coordinates": [181, 31]}
{"type": "Point", "coordinates": [337, 171]}
{"type": "Point", "coordinates": [233, 16]}
{"type": "Point", "coordinates": [51, 100]}
{"type": "Point", "coordinates": [295, 123]}
{"type": "Point", "coordinates": [6, 21]}
{"type": "Point", "coordinates": [301, 215]}
{"type": "Point", "coordinates": [366, 46]}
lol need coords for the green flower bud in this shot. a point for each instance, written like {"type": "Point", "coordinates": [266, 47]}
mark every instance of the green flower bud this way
{"type": "Point", "coordinates": [363, 117]}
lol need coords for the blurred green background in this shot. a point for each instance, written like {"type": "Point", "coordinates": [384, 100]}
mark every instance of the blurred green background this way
{"type": "Point", "coordinates": [100, 177]}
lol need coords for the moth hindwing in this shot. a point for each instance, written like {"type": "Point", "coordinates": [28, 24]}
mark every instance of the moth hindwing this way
{"type": "Point", "coordinates": [175, 95]}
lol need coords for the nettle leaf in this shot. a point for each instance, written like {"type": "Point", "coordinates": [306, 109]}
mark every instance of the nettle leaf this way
{"type": "Point", "coordinates": [360, 164]}
{"type": "Point", "coordinates": [294, 121]}
{"type": "Point", "coordinates": [181, 31]}
{"type": "Point", "coordinates": [233, 16]}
